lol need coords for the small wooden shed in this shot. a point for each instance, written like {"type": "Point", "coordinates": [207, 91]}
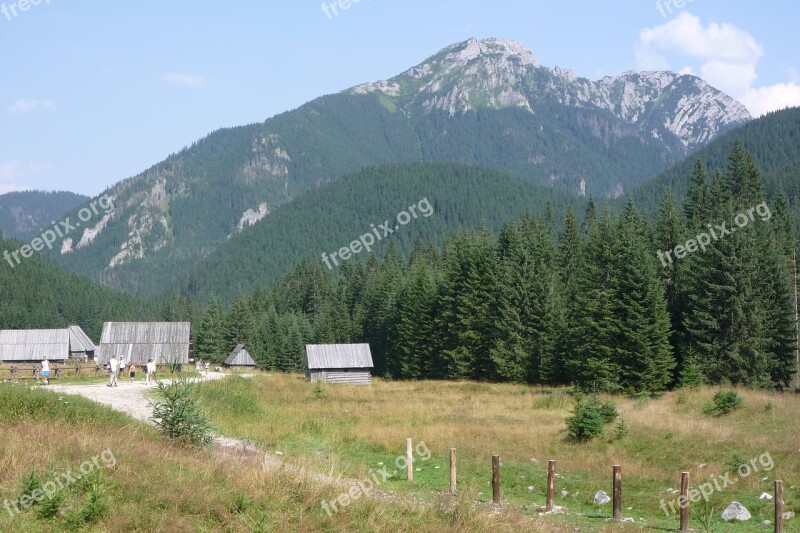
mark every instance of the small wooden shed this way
{"type": "Point", "coordinates": [240, 358]}
{"type": "Point", "coordinates": [339, 363]}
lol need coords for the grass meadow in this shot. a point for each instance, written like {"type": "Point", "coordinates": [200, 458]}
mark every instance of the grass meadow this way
{"type": "Point", "coordinates": [353, 431]}
{"type": "Point", "coordinates": [154, 486]}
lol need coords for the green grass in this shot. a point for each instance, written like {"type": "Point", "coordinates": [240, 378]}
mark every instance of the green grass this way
{"type": "Point", "coordinates": [349, 431]}
{"type": "Point", "coordinates": [154, 485]}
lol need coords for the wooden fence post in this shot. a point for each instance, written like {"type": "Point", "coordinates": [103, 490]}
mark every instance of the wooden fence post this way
{"type": "Point", "coordinates": [683, 502]}
{"type": "Point", "coordinates": [409, 460]}
{"type": "Point", "coordinates": [778, 506]}
{"type": "Point", "coordinates": [617, 492]}
{"type": "Point", "coordinates": [453, 471]}
{"type": "Point", "coordinates": [551, 484]}
{"type": "Point", "coordinates": [496, 478]}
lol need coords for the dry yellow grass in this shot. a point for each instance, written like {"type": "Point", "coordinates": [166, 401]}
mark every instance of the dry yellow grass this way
{"type": "Point", "coordinates": [155, 486]}
{"type": "Point", "coordinates": [350, 428]}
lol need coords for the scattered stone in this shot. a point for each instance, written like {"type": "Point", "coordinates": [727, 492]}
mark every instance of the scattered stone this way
{"type": "Point", "coordinates": [530, 488]}
{"type": "Point", "coordinates": [767, 522]}
{"type": "Point", "coordinates": [601, 498]}
{"type": "Point", "coordinates": [736, 511]}
{"type": "Point", "coordinates": [627, 520]}
{"type": "Point", "coordinates": [788, 515]}
{"type": "Point", "coordinates": [765, 496]}
{"type": "Point", "coordinates": [436, 467]}
{"type": "Point", "coordinates": [564, 493]}
{"type": "Point", "coordinates": [278, 453]}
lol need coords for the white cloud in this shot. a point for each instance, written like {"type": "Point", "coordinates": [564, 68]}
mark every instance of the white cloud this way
{"type": "Point", "coordinates": [726, 57]}
{"type": "Point", "coordinates": [762, 100]}
{"type": "Point", "coordinates": [29, 105]}
{"type": "Point", "coordinates": [14, 171]}
{"type": "Point", "coordinates": [189, 80]}
{"type": "Point", "coordinates": [10, 187]}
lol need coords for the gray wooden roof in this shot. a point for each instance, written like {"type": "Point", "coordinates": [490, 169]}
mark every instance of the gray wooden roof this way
{"type": "Point", "coordinates": [34, 344]}
{"type": "Point", "coordinates": [139, 341]}
{"type": "Point", "coordinates": [321, 356]}
{"type": "Point", "coordinates": [240, 357]}
{"type": "Point", "coordinates": [79, 341]}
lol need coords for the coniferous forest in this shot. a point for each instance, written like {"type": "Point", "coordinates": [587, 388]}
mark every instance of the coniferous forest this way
{"type": "Point", "coordinates": [585, 300]}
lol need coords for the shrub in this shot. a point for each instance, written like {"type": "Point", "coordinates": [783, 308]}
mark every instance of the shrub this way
{"type": "Point", "coordinates": [178, 416]}
{"type": "Point", "coordinates": [589, 417]}
{"type": "Point", "coordinates": [620, 430]}
{"type": "Point", "coordinates": [723, 403]}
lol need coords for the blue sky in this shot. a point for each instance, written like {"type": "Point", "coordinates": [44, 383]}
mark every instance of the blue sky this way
{"type": "Point", "coordinates": [96, 92]}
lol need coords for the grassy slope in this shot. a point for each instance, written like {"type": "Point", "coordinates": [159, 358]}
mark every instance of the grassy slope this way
{"type": "Point", "coordinates": [158, 487]}
{"type": "Point", "coordinates": [353, 430]}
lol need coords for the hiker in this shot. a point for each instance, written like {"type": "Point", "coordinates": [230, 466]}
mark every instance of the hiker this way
{"type": "Point", "coordinates": [113, 369]}
{"type": "Point", "coordinates": [132, 372]}
{"type": "Point", "coordinates": [151, 371]}
{"type": "Point", "coordinates": [46, 370]}
{"type": "Point", "coordinates": [122, 365]}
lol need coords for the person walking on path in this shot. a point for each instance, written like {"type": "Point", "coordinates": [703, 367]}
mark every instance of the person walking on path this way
{"type": "Point", "coordinates": [46, 370]}
{"type": "Point", "coordinates": [113, 370]}
{"type": "Point", "coordinates": [132, 372]}
{"type": "Point", "coordinates": [123, 364]}
{"type": "Point", "coordinates": [151, 371]}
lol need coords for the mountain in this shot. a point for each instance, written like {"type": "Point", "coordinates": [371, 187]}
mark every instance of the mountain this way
{"type": "Point", "coordinates": [37, 294]}
{"type": "Point", "coordinates": [447, 198]}
{"type": "Point", "coordinates": [25, 213]}
{"type": "Point", "coordinates": [774, 142]}
{"type": "Point", "coordinates": [483, 103]}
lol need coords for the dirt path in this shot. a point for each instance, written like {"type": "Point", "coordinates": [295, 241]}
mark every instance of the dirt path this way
{"type": "Point", "coordinates": [132, 399]}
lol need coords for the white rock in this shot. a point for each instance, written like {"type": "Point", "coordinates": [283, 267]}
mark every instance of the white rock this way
{"type": "Point", "coordinates": [765, 496]}
{"type": "Point", "coordinates": [564, 493]}
{"type": "Point", "coordinates": [530, 488]}
{"type": "Point", "coordinates": [788, 515]}
{"type": "Point", "coordinates": [601, 498]}
{"type": "Point", "coordinates": [736, 511]}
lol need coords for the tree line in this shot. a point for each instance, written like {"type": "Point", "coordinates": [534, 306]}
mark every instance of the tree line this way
{"type": "Point", "coordinates": [589, 305]}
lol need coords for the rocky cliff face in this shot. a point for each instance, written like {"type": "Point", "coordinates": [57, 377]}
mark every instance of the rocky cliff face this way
{"type": "Point", "coordinates": [497, 73]}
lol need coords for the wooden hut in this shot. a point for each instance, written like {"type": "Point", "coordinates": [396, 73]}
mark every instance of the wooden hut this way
{"type": "Point", "coordinates": [240, 358]}
{"type": "Point", "coordinates": [339, 363]}
{"type": "Point", "coordinates": [165, 342]}
{"type": "Point", "coordinates": [31, 345]}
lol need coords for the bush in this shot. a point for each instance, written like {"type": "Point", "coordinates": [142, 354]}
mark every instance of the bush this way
{"type": "Point", "coordinates": [620, 430]}
{"type": "Point", "coordinates": [723, 403]}
{"type": "Point", "coordinates": [178, 416]}
{"type": "Point", "coordinates": [589, 417]}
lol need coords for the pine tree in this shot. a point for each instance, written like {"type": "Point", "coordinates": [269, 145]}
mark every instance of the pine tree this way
{"type": "Point", "coordinates": [670, 232]}
{"type": "Point", "coordinates": [210, 333]}
{"type": "Point", "coordinates": [643, 352]}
